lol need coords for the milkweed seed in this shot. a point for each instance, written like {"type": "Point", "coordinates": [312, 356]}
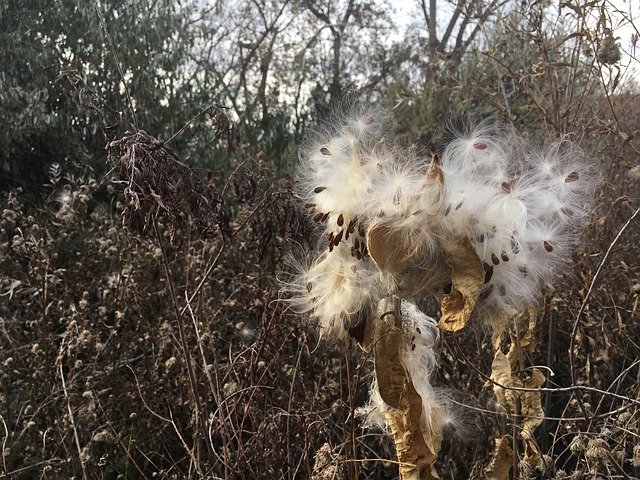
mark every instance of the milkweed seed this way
{"type": "Point", "coordinates": [502, 290]}
{"type": "Point", "coordinates": [325, 216]}
{"type": "Point", "coordinates": [485, 294]}
{"type": "Point", "coordinates": [447, 210]}
{"type": "Point", "coordinates": [413, 346]}
{"type": "Point", "coordinates": [325, 151]}
{"type": "Point", "coordinates": [354, 268]}
{"type": "Point", "coordinates": [572, 177]}
{"type": "Point", "coordinates": [338, 238]}
{"type": "Point", "coordinates": [310, 205]}
{"type": "Point", "coordinates": [309, 286]}
{"type": "Point", "coordinates": [481, 238]}
{"type": "Point", "coordinates": [494, 259]}
{"type": "Point", "coordinates": [340, 220]}
{"type": "Point", "coordinates": [318, 217]}
{"type": "Point", "coordinates": [319, 189]}
{"type": "Point", "coordinates": [547, 246]}
{"type": "Point", "coordinates": [523, 270]}
{"type": "Point", "coordinates": [459, 205]}
{"type": "Point", "coordinates": [418, 330]}
{"type": "Point", "coordinates": [504, 256]}
{"type": "Point", "coordinates": [488, 274]}
{"type": "Point", "coordinates": [480, 146]}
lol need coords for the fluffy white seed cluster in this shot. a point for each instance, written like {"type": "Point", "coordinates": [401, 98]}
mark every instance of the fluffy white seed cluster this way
{"type": "Point", "coordinates": [521, 207]}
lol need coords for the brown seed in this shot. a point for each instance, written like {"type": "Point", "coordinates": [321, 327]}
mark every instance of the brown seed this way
{"type": "Point", "coordinates": [485, 294]}
{"type": "Point", "coordinates": [486, 266]}
{"type": "Point", "coordinates": [325, 216]}
{"type": "Point", "coordinates": [309, 286]}
{"type": "Point", "coordinates": [340, 220]}
{"type": "Point", "coordinates": [354, 269]}
{"type": "Point", "coordinates": [572, 177]}
{"type": "Point", "coordinates": [504, 256]}
{"type": "Point", "coordinates": [319, 189]}
{"type": "Point", "coordinates": [419, 331]}
{"type": "Point", "coordinates": [310, 205]}
{"type": "Point", "coordinates": [480, 146]}
{"type": "Point", "coordinates": [325, 151]}
{"type": "Point", "coordinates": [459, 205]}
{"type": "Point", "coordinates": [547, 246]}
{"type": "Point", "coordinates": [488, 274]}
{"type": "Point", "coordinates": [506, 186]}
{"type": "Point", "coordinates": [413, 346]}
{"type": "Point", "coordinates": [515, 247]}
{"type": "Point", "coordinates": [358, 255]}
{"type": "Point", "coordinates": [336, 241]}
{"type": "Point", "coordinates": [481, 238]}
{"type": "Point", "coordinates": [447, 210]}
{"type": "Point", "coordinates": [495, 259]}
{"type": "Point", "coordinates": [567, 211]}
{"type": "Point", "coordinates": [318, 217]}
{"type": "Point", "coordinates": [502, 290]}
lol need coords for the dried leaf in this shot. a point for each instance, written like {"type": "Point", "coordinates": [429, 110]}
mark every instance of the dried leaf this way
{"type": "Point", "coordinates": [467, 277]}
{"type": "Point", "coordinates": [501, 462]}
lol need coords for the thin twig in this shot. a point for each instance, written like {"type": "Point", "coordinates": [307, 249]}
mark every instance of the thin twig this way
{"type": "Point", "coordinates": [73, 424]}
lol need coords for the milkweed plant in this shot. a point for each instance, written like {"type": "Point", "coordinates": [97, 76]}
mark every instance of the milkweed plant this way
{"type": "Point", "coordinates": [482, 226]}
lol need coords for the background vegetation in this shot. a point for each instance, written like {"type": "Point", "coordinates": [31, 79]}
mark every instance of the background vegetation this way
{"type": "Point", "coordinates": [139, 333]}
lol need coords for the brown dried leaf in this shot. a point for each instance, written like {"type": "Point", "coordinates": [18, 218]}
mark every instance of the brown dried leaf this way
{"type": "Point", "coordinates": [467, 277]}
{"type": "Point", "coordinates": [501, 462]}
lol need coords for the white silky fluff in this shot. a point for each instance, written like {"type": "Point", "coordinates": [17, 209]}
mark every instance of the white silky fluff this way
{"type": "Point", "coordinates": [521, 206]}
